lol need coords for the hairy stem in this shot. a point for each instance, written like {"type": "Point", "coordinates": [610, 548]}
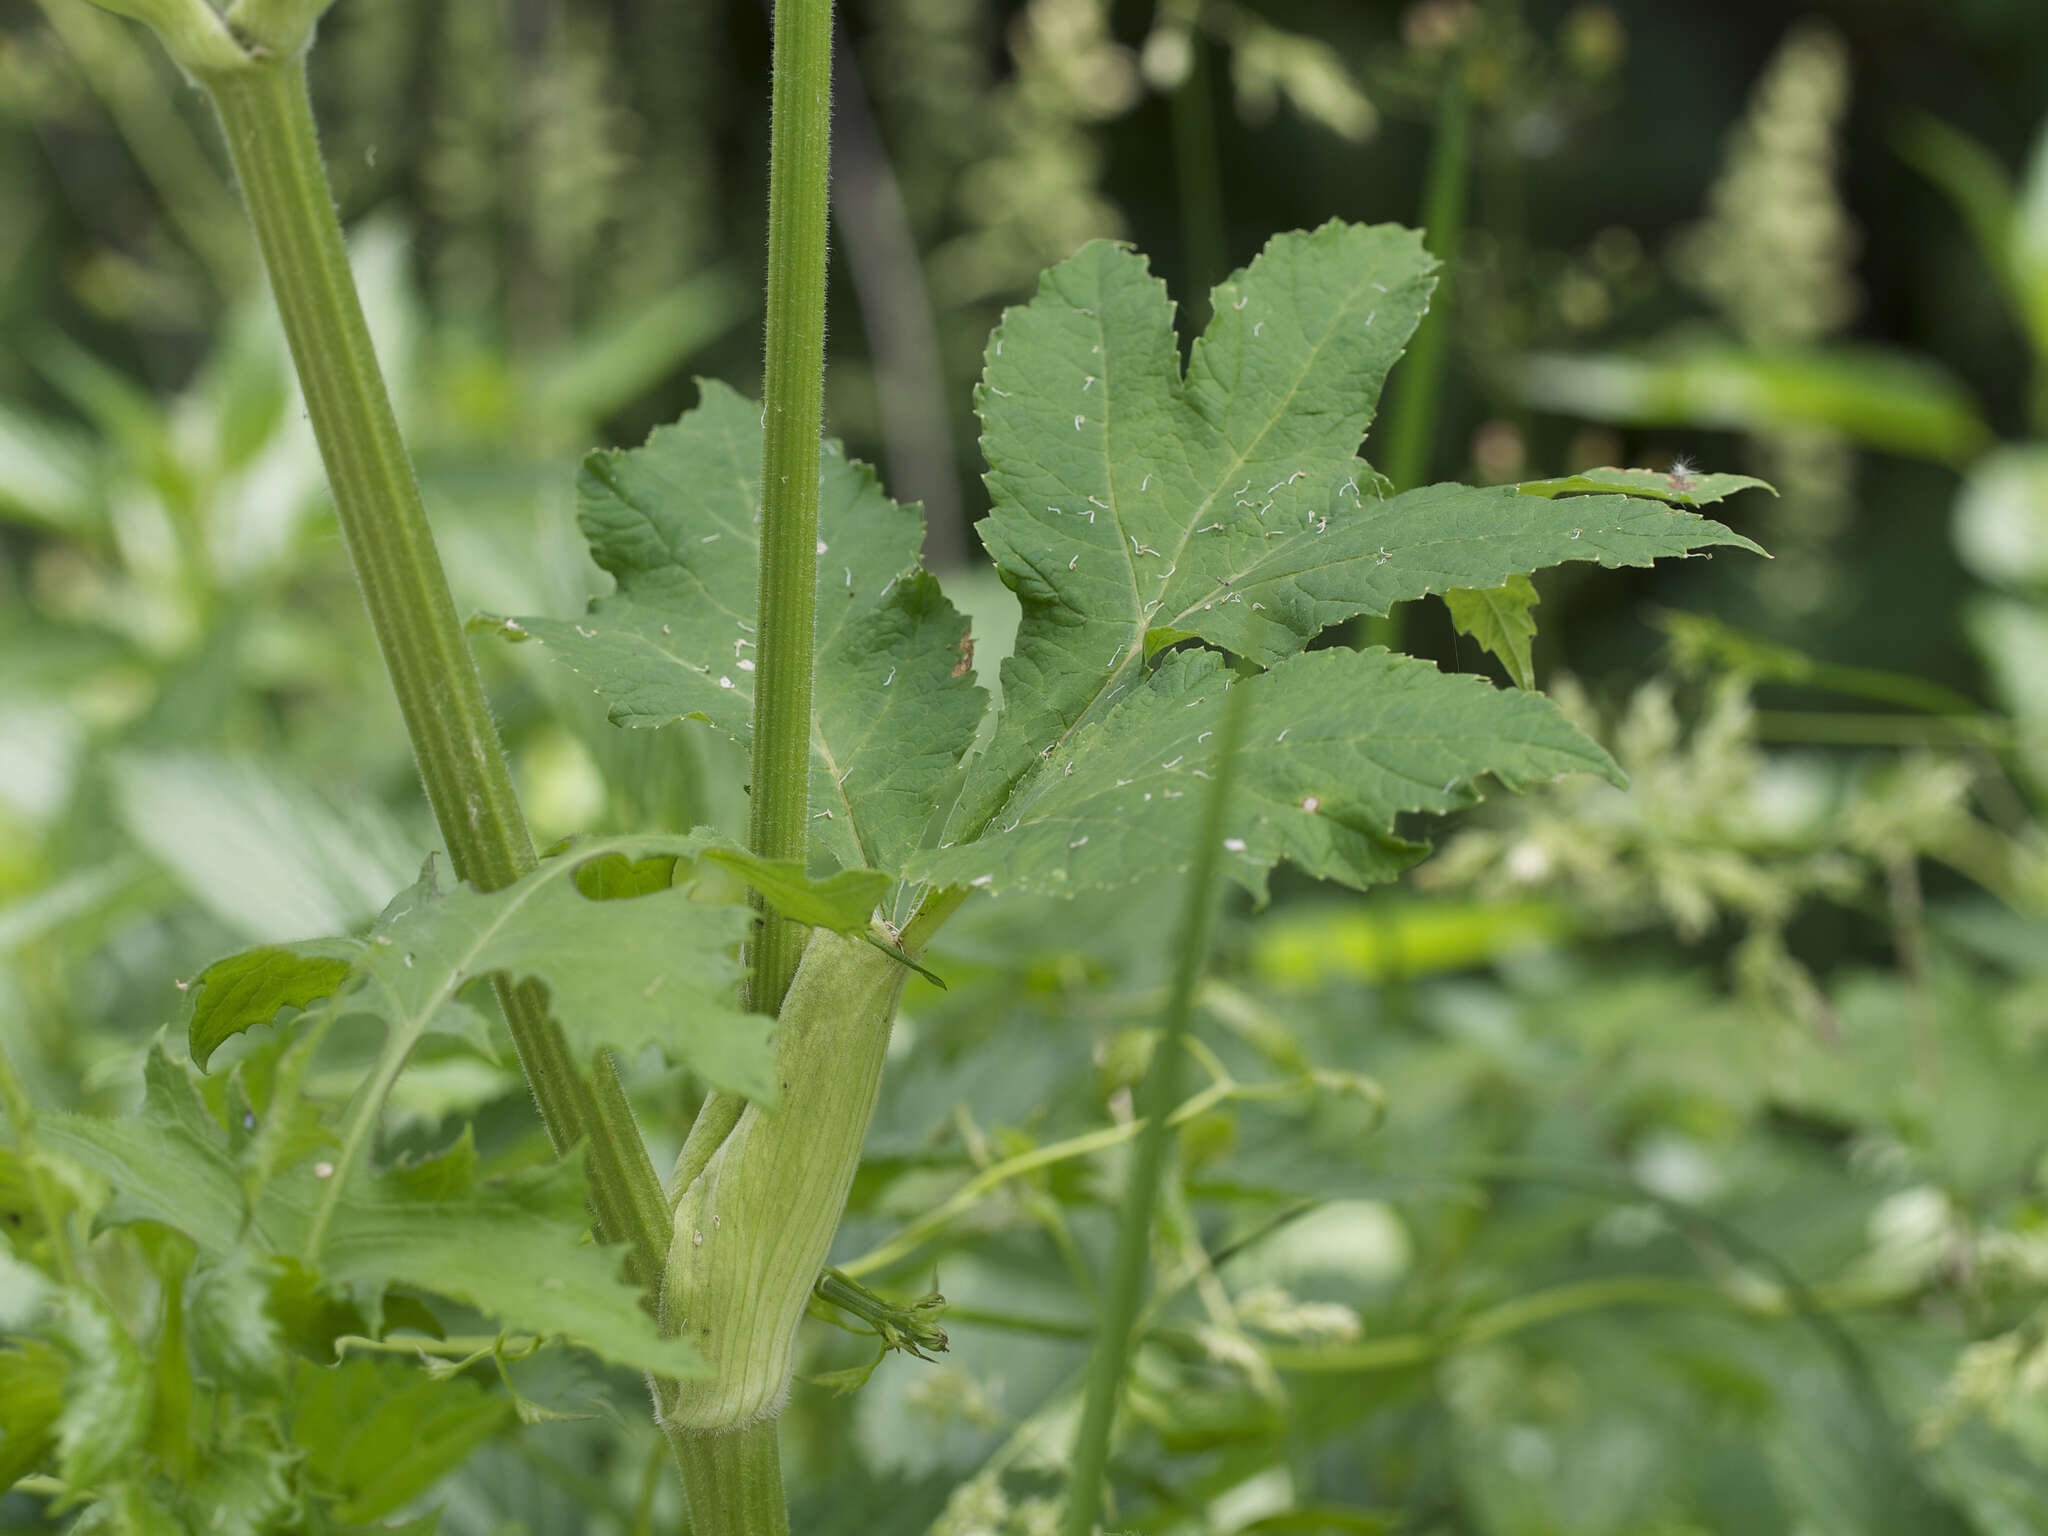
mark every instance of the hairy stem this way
{"type": "Point", "coordinates": [799, 160]}
{"type": "Point", "coordinates": [268, 119]}
{"type": "Point", "coordinates": [753, 1229]}
{"type": "Point", "coordinates": [1155, 1097]}
{"type": "Point", "coordinates": [735, 1481]}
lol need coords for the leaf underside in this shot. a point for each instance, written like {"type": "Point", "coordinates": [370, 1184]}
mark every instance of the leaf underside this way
{"type": "Point", "coordinates": [1502, 620]}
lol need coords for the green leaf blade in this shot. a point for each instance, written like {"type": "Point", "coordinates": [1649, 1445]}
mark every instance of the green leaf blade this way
{"type": "Point", "coordinates": [674, 524]}
{"type": "Point", "coordinates": [253, 987]}
{"type": "Point", "coordinates": [1361, 556]}
{"type": "Point", "coordinates": [1340, 745]}
{"type": "Point", "coordinates": [1123, 491]}
{"type": "Point", "coordinates": [1500, 619]}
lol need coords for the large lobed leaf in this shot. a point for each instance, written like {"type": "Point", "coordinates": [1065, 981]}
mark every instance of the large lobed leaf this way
{"type": "Point", "coordinates": [1136, 507]}
{"type": "Point", "coordinates": [676, 525]}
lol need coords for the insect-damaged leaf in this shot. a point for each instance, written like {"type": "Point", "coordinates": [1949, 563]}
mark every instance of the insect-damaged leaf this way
{"type": "Point", "coordinates": [1136, 508]}
{"type": "Point", "coordinates": [675, 523]}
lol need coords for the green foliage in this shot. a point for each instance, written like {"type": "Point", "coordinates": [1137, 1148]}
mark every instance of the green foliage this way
{"type": "Point", "coordinates": [1662, 1157]}
{"type": "Point", "coordinates": [1500, 619]}
{"type": "Point", "coordinates": [674, 524]}
{"type": "Point", "coordinates": [1132, 513]}
{"type": "Point", "coordinates": [657, 969]}
{"type": "Point", "coordinates": [507, 1246]}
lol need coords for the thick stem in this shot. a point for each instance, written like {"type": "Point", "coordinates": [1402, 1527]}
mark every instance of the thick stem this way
{"type": "Point", "coordinates": [268, 118]}
{"type": "Point", "coordinates": [735, 1481]}
{"type": "Point", "coordinates": [1156, 1096]}
{"type": "Point", "coordinates": [753, 1229]}
{"type": "Point", "coordinates": [800, 139]}
{"type": "Point", "coordinates": [1418, 388]}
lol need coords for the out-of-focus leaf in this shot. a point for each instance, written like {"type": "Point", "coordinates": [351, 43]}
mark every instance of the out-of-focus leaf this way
{"type": "Point", "coordinates": [1889, 401]}
{"type": "Point", "coordinates": [228, 1321]}
{"type": "Point", "coordinates": [32, 1374]}
{"type": "Point", "coordinates": [1322, 1520]}
{"type": "Point", "coordinates": [1308, 947]}
{"type": "Point", "coordinates": [244, 1486]}
{"type": "Point", "coordinates": [2029, 244]}
{"type": "Point", "coordinates": [1500, 619]}
{"type": "Point", "coordinates": [1975, 182]}
{"type": "Point", "coordinates": [262, 851]}
{"type": "Point", "coordinates": [46, 474]}
{"type": "Point", "coordinates": [2001, 521]}
{"type": "Point", "coordinates": [106, 1391]}
{"type": "Point", "coordinates": [619, 361]}
{"type": "Point", "coordinates": [168, 1162]}
{"type": "Point", "coordinates": [376, 1435]}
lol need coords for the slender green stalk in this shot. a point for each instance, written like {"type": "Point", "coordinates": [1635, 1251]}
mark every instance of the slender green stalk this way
{"type": "Point", "coordinates": [1418, 387]}
{"type": "Point", "coordinates": [735, 1481]}
{"type": "Point", "coordinates": [800, 142]}
{"type": "Point", "coordinates": [1156, 1098]}
{"type": "Point", "coordinates": [267, 115]}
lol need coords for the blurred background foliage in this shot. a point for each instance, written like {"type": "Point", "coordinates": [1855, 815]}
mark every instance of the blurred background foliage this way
{"type": "Point", "coordinates": [1655, 1161]}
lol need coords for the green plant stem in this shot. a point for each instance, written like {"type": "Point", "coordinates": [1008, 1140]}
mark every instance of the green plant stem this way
{"type": "Point", "coordinates": [267, 115]}
{"type": "Point", "coordinates": [799, 160]}
{"type": "Point", "coordinates": [1418, 388]}
{"type": "Point", "coordinates": [1156, 1097]}
{"type": "Point", "coordinates": [735, 1480]}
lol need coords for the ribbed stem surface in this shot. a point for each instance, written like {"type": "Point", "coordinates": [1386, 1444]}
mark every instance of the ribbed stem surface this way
{"type": "Point", "coordinates": [735, 1481]}
{"type": "Point", "coordinates": [268, 118]}
{"type": "Point", "coordinates": [800, 144]}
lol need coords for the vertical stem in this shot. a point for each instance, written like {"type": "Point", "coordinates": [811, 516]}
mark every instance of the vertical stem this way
{"type": "Point", "coordinates": [800, 138]}
{"type": "Point", "coordinates": [735, 1480]}
{"type": "Point", "coordinates": [267, 115]}
{"type": "Point", "coordinates": [1156, 1098]}
{"type": "Point", "coordinates": [1418, 388]}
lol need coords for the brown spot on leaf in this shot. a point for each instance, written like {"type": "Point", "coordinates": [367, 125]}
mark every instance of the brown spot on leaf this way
{"type": "Point", "coordinates": [966, 660]}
